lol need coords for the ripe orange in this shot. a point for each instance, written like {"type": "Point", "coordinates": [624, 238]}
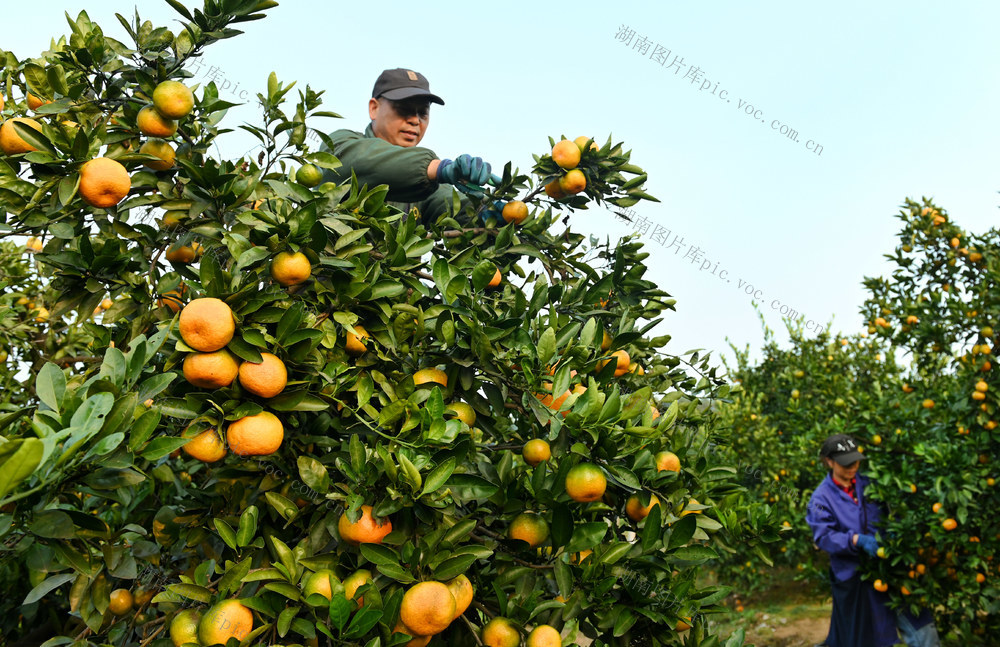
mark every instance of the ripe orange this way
{"type": "Point", "coordinates": [354, 344]}
{"type": "Point", "coordinates": [430, 376]}
{"type": "Point", "coordinates": [682, 625]}
{"type": "Point", "coordinates": [461, 589]}
{"type": "Point", "coordinates": [10, 142]}
{"type": "Point", "coordinates": [529, 528]}
{"type": "Point", "coordinates": [265, 379]}
{"type": "Point", "coordinates": [566, 154]}
{"type": "Point", "coordinates": [500, 632]}
{"type": "Point", "coordinates": [121, 602]}
{"type": "Point", "coordinates": [667, 461]}
{"type": "Point", "coordinates": [554, 191]}
{"type": "Point", "coordinates": [183, 253]}
{"type": "Point", "coordinates": [206, 447]}
{"type": "Point", "coordinates": [161, 149]}
{"type": "Point", "coordinates": [936, 507]}
{"type": "Point", "coordinates": [321, 582]}
{"type": "Point", "coordinates": [416, 641]}
{"type": "Point", "coordinates": [463, 412]}
{"type": "Point", "coordinates": [210, 370]}
{"type": "Point", "coordinates": [173, 99]}
{"type": "Point", "coordinates": [573, 182]}
{"type": "Point", "coordinates": [355, 581]}
{"type": "Point", "coordinates": [184, 627]}
{"type": "Point", "coordinates": [921, 568]}
{"type": "Point", "coordinates": [152, 123]}
{"type": "Point", "coordinates": [544, 636]}
{"type": "Point", "coordinates": [536, 451]}
{"type": "Point", "coordinates": [904, 590]}
{"type": "Point", "coordinates": [227, 619]}
{"type": "Point", "coordinates": [207, 324]}
{"type": "Point", "coordinates": [427, 608]}
{"type": "Point", "coordinates": [880, 586]}
{"type": "Point", "coordinates": [982, 386]}
{"type": "Point", "coordinates": [686, 512]}
{"type": "Point", "coordinates": [495, 281]}
{"type": "Point", "coordinates": [928, 404]}
{"type": "Point", "coordinates": [104, 182]}
{"type": "Point", "coordinates": [173, 299]}
{"type": "Point", "coordinates": [949, 524]}
{"type": "Point", "coordinates": [34, 103]}
{"type": "Point", "coordinates": [585, 482]}
{"type": "Point", "coordinates": [289, 268]}
{"type": "Point", "coordinates": [581, 143]}
{"type": "Point", "coordinates": [366, 530]}
{"type": "Point", "coordinates": [515, 211]}
{"type": "Point", "coordinates": [636, 511]}
{"type": "Point", "coordinates": [258, 435]}
{"type": "Point", "coordinates": [622, 362]}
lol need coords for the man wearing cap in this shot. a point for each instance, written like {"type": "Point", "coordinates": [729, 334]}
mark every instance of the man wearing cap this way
{"type": "Point", "coordinates": [844, 524]}
{"type": "Point", "coordinates": [388, 152]}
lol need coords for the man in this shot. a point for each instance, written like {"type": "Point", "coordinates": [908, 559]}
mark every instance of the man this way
{"type": "Point", "coordinates": [844, 525]}
{"type": "Point", "coordinates": [388, 152]}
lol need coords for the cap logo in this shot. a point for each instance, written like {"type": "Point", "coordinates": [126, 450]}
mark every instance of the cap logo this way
{"type": "Point", "coordinates": [410, 74]}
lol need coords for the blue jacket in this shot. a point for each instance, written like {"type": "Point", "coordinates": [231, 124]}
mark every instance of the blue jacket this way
{"type": "Point", "coordinates": [835, 518]}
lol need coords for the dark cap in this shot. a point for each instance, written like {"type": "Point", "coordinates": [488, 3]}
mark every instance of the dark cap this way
{"type": "Point", "coordinates": [841, 448]}
{"type": "Point", "coordinates": [400, 83]}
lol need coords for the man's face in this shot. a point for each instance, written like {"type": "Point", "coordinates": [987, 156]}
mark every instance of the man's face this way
{"type": "Point", "coordinates": [402, 123]}
{"type": "Point", "coordinates": [843, 473]}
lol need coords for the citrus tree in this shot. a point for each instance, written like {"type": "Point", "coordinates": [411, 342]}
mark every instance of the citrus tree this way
{"type": "Point", "coordinates": [938, 473]}
{"type": "Point", "coordinates": [791, 399]}
{"type": "Point", "coordinates": [304, 417]}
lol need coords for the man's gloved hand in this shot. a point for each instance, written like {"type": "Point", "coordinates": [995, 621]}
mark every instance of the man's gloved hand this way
{"type": "Point", "coordinates": [869, 544]}
{"type": "Point", "coordinates": [495, 210]}
{"type": "Point", "coordinates": [464, 171]}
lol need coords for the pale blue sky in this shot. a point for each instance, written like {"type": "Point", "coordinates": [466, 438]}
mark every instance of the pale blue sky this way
{"type": "Point", "coordinates": [903, 98]}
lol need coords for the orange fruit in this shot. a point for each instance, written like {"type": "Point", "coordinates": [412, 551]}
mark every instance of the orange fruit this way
{"type": "Point", "coordinates": [104, 182]}
{"type": "Point", "coordinates": [636, 511]}
{"type": "Point", "coordinates": [173, 99]}
{"type": "Point", "coordinates": [686, 512]}
{"type": "Point", "coordinates": [106, 304]}
{"type": "Point", "coordinates": [529, 528]}
{"type": "Point", "coordinates": [581, 143]}
{"type": "Point", "coordinates": [515, 211]}
{"type": "Point", "coordinates": [495, 281]}
{"type": "Point", "coordinates": [225, 620]}
{"type": "Point", "coordinates": [982, 386]}
{"type": "Point", "coordinates": [667, 461]}
{"type": "Point", "coordinates": [928, 404]}
{"type": "Point", "coordinates": [207, 324]}
{"type": "Point", "coordinates": [622, 362]}
{"type": "Point", "coordinates": [173, 299]}
{"type": "Point", "coordinates": [321, 582]}
{"type": "Point", "coordinates": [536, 451]}
{"type": "Point", "coordinates": [184, 627]}
{"type": "Point", "coordinates": [10, 142]}
{"type": "Point", "coordinates": [463, 412]}
{"type": "Point", "coordinates": [430, 376]}
{"type": "Point", "coordinates": [173, 218]}
{"type": "Point", "coordinates": [309, 175]}
{"type": "Point", "coordinates": [354, 344]}
{"type": "Point", "coordinates": [606, 341]}
{"type": "Point", "coordinates": [566, 154]}
{"type": "Point", "coordinates": [937, 506]}
{"type": "Point", "coordinates": [682, 625]}
{"type": "Point", "coordinates": [34, 103]}
{"type": "Point", "coordinates": [544, 636]}
{"type": "Point", "coordinates": [427, 608]}
{"type": "Point", "coordinates": [573, 182]}
{"type": "Point", "coordinates": [554, 191]}
{"type": "Point", "coordinates": [257, 435]}
{"type": "Point", "coordinates": [949, 524]}
{"type": "Point", "coordinates": [355, 581]}
{"type": "Point", "coordinates": [461, 589]}
{"type": "Point", "coordinates": [161, 149]}
{"type": "Point", "coordinates": [500, 632]}
{"type": "Point", "coordinates": [880, 586]}
{"type": "Point", "coordinates": [366, 530]}
{"type": "Point", "coordinates": [555, 403]}
{"type": "Point", "coordinates": [585, 482]}
{"type": "Point", "coordinates": [921, 569]}
{"type": "Point", "coordinates": [152, 123]}
{"type": "Point", "coordinates": [210, 370]}
{"type": "Point", "coordinates": [904, 590]}
{"type": "Point", "coordinates": [183, 253]}
{"type": "Point", "coordinates": [265, 379]}
{"type": "Point", "coordinates": [290, 268]}
{"type": "Point", "coordinates": [206, 447]}
{"type": "Point", "coordinates": [121, 602]}
{"type": "Point", "coordinates": [416, 641]}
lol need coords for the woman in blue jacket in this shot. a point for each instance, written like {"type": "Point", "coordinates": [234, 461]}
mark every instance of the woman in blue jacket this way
{"type": "Point", "coordinates": [844, 524]}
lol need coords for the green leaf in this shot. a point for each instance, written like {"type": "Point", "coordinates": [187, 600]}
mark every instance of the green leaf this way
{"type": "Point", "coordinates": [160, 447]}
{"type": "Point", "coordinates": [46, 586]}
{"type": "Point", "coordinates": [439, 476]}
{"type": "Point", "coordinates": [546, 346]}
{"type": "Point", "coordinates": [340, 611]}
{"type": "Point", "coordinates": [22, 457]}
{"type": "Point", "coordinates": [282, 504]}
{"type": "Point", "coordinates": [682, 531]}
{"type": "Point", "coordinates": [586, 535]}
{"type": "Point", "coordinates": [226, 532]}
{"type": "Point", "coordinates": [90, 415]}
{"type": "Point", "coordinates": [379, 554]}
{"type": "Point", "coordinates": [154, 385]}
{"type": "Point", "coordinates": [362, 622]}
{"type": "Point", "coordinates": [289, 322]}
{"type": "Point", "coordinates": [233, 578]}
{"type": "Point", "coordinates": [453, 566]}
{"type": "Point", "coordinates": [314, 474]}
{"type": "Point", "coordinates": [468, 487]}
{"type": "Point", "coordinates": [53, 524]}
{"type": "Point", "coordinates": [191, 592]}
{"type": "Point", "coordinates": [50, 385]}
{"type": "Point", "coordinates": [34, 137]}
{"type": "Point", "coordinates": [248, 526]}
{"type": "Point", "coordinates": [695, 554]}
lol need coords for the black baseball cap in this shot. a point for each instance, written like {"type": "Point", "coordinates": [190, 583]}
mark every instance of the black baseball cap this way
{"type": "Point", "coordinates": [841, 448]}
{"type": "Point", "coordinates": [400, 83]}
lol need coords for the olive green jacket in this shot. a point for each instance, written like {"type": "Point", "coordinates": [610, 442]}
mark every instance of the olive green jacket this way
{"type": "Point", "coordinates": [375, 161]}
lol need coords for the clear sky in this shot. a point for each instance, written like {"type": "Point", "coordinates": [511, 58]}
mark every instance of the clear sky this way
{"type": "Point", "coordinates": [902, 97]}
